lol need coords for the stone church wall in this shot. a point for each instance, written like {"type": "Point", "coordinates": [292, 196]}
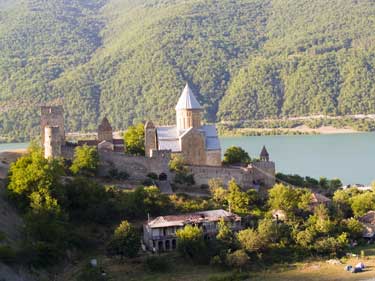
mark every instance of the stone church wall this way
{"type": "Point", "coordinates": [213, 158]}
{"type": "Point", "coordinates": [202, 174]}
{"type": "Point", "coordinates": [136, 166]}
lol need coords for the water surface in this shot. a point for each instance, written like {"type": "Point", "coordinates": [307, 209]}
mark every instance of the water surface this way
{"type": "Point", "coordinates": [350, 157]}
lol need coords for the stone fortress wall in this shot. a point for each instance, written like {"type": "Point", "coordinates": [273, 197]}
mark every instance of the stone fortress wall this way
{"type": "Point", "coordinates": [156, 161]}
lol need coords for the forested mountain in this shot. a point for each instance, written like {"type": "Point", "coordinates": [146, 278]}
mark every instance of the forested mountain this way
{"type": "Point", "coordinates": [129, 59]}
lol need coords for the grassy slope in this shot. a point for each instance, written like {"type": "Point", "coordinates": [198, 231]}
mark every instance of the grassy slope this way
{"type": "Point", "coordinates": [130, 59]}
{"type": "Point", "coordinates": [313, 270]}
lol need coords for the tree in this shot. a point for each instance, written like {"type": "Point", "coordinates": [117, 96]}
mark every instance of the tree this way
{"type": "Point", "coordinates": [362, 203]}
{"type": "Point", "coordinates": [125, 241]}
{"type": "Point", "coordinates": [217, 190]}
{"type": "Point", "coordinates": [269, 230]}
{"type": "Point", "coordinates": [354, 228]}
{"type": "Point", "coordinates": [86, 160]}
{"type": "Point", "coordinates": [32, 174]}
{"type": "Point", "coordinates": [236, 155]}
{"type": "Point", "coordinates": [190, 241]}
{"type": "Point", "coordinates": [238, 259]}
{"type": "Point", "coordinates": [225, 234]}
{"type": "Point", "coordinates": [176, 164]}
{"type": "Point", "coordinates": [288, 199]}
{"type": "Point", "coordinates": [134, 139]}
{"type": "Point", "coordinates": [250, 240]}
{"type": "Point", "coordinates": [238, 201]}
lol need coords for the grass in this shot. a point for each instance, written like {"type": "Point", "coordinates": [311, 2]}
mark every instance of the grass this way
{"type": "Point", "coordinates": [180, 270]}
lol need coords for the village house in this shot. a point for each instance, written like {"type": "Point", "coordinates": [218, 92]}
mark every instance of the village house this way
{"type": "Point", "coordinates": [368, 222]}
{"type": "Point", "coordinates": [159, 234]}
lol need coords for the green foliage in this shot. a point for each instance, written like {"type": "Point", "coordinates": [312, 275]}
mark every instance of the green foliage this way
{"type": "Point", "coordinates": [362, 203]}
{"type": "Point", "coordinates": [7, 254]}
{"type": "Point", "coordinates": [238, 259]}
{"type": "Point", "coordinates": [90, 273]}
{"type": "Point", "coordinates": [250, 240]}
{"type": "Point", "coordinates": [225, 234]}
{"type": "Point", "coordinates": [176, 165]}
{"type": "Point", "coordinates": [31, 178]}
{"type": "Point", "coordinates": [157, 264]}
{"type": "Point", "coordinates": [134, 140]}
{"type": "Point", "coordinates": [125, 241]}
{"type": "Point", "coordinates": [354, 228]}
{"type": "Point", "coordinates": [86, 160]}
{"type": "Point", "coordinates": [88, 201]}
{"type": "Point", "coordinates": [190, 242]}
{"type": "Point", "coordinates": [236, 155]}
{"type": "Point", "coordinates": [245, 59]}
{"type": "Point", "coordinates": [288, 199]}
{"type": "Point", "coordinates": [238, 201]}
{"type": "Point", "coordinates": [218, 191]}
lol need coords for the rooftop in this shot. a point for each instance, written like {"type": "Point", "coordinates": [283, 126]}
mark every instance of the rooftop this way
{"type": "Point", "coordinates": [317, 198]}
{"type": "Point", "coordinates": [169, 137]}
{"type": "Point", "coordinates": [198, 217]}
{"type": "Point", "coordinates": [187, 100]}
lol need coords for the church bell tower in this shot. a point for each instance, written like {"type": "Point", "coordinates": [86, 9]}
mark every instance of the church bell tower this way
{"type": "Point", "coordinates": [188, 111]}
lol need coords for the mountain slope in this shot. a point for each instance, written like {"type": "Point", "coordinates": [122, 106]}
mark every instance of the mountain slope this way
{"type": "Point", "coordinates": [129, 60]}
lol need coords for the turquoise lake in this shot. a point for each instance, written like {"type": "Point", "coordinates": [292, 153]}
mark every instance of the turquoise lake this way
{"type": "Point", "coordinates": [350, 157]}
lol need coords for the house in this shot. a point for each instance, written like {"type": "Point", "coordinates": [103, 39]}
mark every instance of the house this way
{"type": "Point", "coordinates": [368, 222]}
{"type": "Point", "coordinates": [159, 234]}
{"type": "Point", "coordinates": [319, 199]}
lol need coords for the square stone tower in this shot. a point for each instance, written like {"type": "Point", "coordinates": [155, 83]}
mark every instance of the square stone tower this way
{"type": "Point", "coordinates": [52, 116]}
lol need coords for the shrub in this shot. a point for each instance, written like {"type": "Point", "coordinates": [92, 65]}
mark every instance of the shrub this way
{"type": "Point", "coordinates": [238, 259]}
{"type": "Point", "coordinates": [7, 254]}
{"type": "Point", "coordinates": [152, 176]}
{"type": "Point", "coordinates": [156, 264]}
{"type": "Point", "coordinates": [90, 273]}
{"type": "Point", "coordinates": [125, 241]}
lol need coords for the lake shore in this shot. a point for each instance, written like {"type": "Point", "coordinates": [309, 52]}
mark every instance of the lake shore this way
{"type": "Point", "coordinates": [300, 130]}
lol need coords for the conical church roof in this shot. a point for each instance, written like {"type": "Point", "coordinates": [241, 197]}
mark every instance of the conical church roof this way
{"type": "Point", "coordinates": [105, 125]}
{"type": "Point", "coordinates": [187, 100]}
{"type": "Point", "coordinates": [264, 152]}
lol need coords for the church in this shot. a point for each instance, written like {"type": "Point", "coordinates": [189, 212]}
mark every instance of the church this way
{"type": "Point", "coordinates": [198, 144]}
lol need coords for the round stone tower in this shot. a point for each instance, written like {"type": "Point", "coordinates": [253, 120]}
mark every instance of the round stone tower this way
{"type": "Point", "coordinates": [52, 142]}
{"type": "Point", "coordinates": [150, 138]}
{"type": "Point", "coordinates": [188, 111]}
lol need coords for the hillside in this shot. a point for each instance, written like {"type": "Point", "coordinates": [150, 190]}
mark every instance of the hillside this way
{"type": "Point", "coordinates": [129, 59]}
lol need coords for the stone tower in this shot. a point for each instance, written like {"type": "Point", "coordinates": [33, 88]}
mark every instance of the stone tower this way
{"type": "Point", "coordinates": [52, 116]}
{"type": "Point", "coordinates": [264, 155]}
{"type": "Point", "coordinates": [188, 111]}
{"type": "Point", "coordinates": [150, 138]}
{"type": "Point", "coordinates": [52, 142]}
{"type": "Point", "coordinates": [105, 131]}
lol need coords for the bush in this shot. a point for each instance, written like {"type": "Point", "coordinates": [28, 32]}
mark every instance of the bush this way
{"type": "Point", "coordinates": [147, 182]}
{"type": "Point", "coordinates": [152, 176]}
{"type": "Point", "coordinates": [90, 273]}
{"type": "Point", "coordinates": [238, 259]}
{"type": "Point", "coordinates": [125, 241]}
{"type": "Point", "coordinates": [7, 254]}
{"type": "Point", "coordinates": [156, 264]}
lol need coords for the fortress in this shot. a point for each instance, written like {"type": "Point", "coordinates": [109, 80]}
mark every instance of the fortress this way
{"type": "Point", "coordinates": [198, 145]}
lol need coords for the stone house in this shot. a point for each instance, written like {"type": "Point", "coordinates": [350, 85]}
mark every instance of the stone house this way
{"type": "Point", "coordinates": [159, 234]}
{"type": "Point", "coordinates": [368, 222]}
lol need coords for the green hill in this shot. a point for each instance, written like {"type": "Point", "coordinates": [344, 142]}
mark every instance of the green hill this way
{"type": "Point", "coordinates": [129, 59]}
